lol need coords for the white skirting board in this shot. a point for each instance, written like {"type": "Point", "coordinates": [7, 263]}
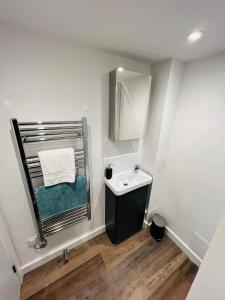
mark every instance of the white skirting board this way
{"type": "Point", "coordinates": [184, 247]}
{"type": "Point", "coordinates": [81, 239]}
{"type": "Point", "coordinates": [58, 250]}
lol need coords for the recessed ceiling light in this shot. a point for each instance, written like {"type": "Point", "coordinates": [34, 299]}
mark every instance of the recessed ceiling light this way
{"type": "Point", "coordinates": [120, 69]}
{"type": "Point", "coordinates": [195, 36]}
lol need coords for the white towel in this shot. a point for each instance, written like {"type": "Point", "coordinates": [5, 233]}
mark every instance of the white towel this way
{"type": "Point", "coordinates": [58, 165]}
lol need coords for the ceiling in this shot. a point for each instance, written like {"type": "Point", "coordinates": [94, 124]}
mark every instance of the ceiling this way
{"type": "Point", "coordinates": [140, 29]}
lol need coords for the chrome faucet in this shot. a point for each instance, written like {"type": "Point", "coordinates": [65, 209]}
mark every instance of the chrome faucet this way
{"type": "Point", "coordinates": [136, 168]}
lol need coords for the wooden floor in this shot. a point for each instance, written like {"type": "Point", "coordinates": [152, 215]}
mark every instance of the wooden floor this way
{"type": "Point", "coordinates": [139, 268]}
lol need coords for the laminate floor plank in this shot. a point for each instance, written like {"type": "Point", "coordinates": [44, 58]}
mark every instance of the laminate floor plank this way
{"type": "Point", "coordinates": [70, 284]}
{"type": "Point", "coordinates": [48, 273]}
{"type": "Point", "coordinates": [117, 253]}
{"type": "Point", "coordinates": [178, 285]}
{"type": "Point", "coordinates": [136, 269]}
{"type": "Point", "coordinates": [131, 276]}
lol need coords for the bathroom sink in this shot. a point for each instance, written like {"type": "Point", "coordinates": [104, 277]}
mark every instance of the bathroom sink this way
{"type": "Point", "coordinates": [124, 182]}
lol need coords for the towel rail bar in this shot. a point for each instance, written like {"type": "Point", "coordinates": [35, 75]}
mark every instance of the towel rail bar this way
{"type": "Point", "coordinates": [68, 222]}
{"type": "Point", "coordinates": [55, 230]}
{"type": "Point", "coordinates": [35, 167]}
{"type": "Point", "coordinates": [48, 123]}
{"type": "Point", "coordinates": [63, 221]}
{"type": "Point", "coordinates": [78, 152]}
{"type": "Point", "coordinates": [36, 164]}
{"type": "Point", "coordinates": [42, 128]}
{"type": "Point", "coordinates": [59, 222]}
{"type": "Point", "coordinates": [79, 166]}
{"type": "Point", "coordinates": [36, 160]}
{"type": "Point", "coordinates": [61, 216]}
{"type": "Point", "coordinates": [39, 132]}
{"type": "Point", "coordinates": [39, 175]}
{"type": "Point", "coordinates": [39, 171]}
{"type": "Point", "coordinates": [46, 139]}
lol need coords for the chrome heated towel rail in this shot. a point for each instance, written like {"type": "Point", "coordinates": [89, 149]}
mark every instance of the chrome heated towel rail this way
{"type": "Point", "coordinates": [37, 133]}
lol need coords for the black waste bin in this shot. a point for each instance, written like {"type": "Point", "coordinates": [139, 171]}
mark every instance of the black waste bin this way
{"type": "Point", "coordinates": [157, 227]}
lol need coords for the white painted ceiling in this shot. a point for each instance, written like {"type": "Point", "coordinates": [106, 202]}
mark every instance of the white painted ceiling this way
{"type": "Point", "coordinates": [141, 29]}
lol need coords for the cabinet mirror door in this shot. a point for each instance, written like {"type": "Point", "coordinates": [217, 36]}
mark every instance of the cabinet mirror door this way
{"type": "Point", "coordinates": [129, 101]}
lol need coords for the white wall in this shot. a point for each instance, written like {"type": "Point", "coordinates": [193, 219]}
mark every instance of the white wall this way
{"type": "Point", "coordinates": [209, 281]}
{"type": "Point", "coordinates": [9, 281]}
{"type": "Point", "coordinates": [189, 188]}
{"type": "Point", "coordinates": [46, 79]}
{"type": "Point", "coordinates": [160, 78]}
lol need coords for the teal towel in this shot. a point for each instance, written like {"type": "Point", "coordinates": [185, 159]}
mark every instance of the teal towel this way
{"type": "Point", "coordinates": [62, 197]}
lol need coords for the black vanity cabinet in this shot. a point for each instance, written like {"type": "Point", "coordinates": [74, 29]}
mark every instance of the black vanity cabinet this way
{"type": "Point", "coordinates": [124, 215]}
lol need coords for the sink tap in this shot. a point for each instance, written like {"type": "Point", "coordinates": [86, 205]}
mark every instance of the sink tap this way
{"type": "Point", "coordinates": [136, 168]}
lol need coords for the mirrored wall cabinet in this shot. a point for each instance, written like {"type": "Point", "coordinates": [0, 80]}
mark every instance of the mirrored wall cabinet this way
{"type": "Point", "coordinates": [129, 94]}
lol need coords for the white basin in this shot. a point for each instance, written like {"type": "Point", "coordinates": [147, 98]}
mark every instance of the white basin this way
{"type": "Point", "coordinates": [124, 182]}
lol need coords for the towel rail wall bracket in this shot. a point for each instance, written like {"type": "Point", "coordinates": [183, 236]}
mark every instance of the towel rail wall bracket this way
{"type": "Point", "coordinates": [35, 132]}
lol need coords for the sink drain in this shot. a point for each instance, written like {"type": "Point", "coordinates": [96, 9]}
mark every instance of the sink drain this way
{"type": "Point", "coordinates": [125, 184]}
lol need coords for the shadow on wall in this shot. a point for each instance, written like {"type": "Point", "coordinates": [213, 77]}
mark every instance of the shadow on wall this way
{"type": "Point", "coordinates": [99, 205]}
